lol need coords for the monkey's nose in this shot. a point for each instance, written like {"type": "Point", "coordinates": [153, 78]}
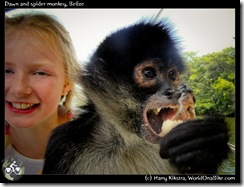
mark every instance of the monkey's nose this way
{"type": "Point", "coordinates": [170, 93]}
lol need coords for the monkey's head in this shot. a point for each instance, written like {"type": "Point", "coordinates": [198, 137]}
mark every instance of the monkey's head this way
{"type": "Point", "coordinates": [132, 78]}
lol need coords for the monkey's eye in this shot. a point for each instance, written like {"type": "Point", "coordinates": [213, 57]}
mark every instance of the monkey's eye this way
{"type": "Point", "coordinates": [189, 109]}
{"type": "Point", "coordinates": [149, 72]}
{"type": "Point", "coordinates": [172, 74]}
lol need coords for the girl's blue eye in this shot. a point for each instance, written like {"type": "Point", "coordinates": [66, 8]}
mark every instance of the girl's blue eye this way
{"type": "Point", "coordinates": [41, 73]}
{"type": "Point", "coordinates": [7, 71]}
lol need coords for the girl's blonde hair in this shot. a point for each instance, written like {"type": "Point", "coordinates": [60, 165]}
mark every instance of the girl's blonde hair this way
{"type": "Point", "coordinates": [48, 29]}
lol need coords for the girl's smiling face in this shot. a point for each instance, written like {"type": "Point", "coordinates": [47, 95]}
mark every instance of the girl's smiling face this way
{"type": "Point", "coordinates": [34, 81]}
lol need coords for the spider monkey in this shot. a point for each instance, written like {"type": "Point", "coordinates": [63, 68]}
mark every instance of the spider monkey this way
{"type": "Point", "coordinates": [131, 82]}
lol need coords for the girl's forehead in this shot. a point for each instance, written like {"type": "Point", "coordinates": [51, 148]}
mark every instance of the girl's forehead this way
{"type": "Point", "coordinates": [32, 51]}
{"type": "Point", "coordinates": [38, 42]}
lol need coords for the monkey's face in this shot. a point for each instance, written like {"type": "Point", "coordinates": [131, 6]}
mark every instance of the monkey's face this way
{"type": "Point", "coordinates": [132, 79]}
{"type": "Point", "coordinates": [159, 81]}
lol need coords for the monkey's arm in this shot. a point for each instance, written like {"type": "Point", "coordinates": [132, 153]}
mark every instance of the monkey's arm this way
{"type": "Point", "coordinates": [197, 146]}
{"type": "Point", "coordinates": [58, 158]}
{"type": "Point", "coordinates": [67, 142]}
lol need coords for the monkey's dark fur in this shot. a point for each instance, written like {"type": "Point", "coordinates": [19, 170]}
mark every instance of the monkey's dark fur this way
{"type": "Point", "coordinates": [133, 72]}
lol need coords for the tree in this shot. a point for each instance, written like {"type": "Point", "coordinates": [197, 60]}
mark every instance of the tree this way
{"type": "Point", "coordinates": [212, 78]}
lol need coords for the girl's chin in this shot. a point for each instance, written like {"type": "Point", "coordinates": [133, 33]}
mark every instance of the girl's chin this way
{"type": "Point", "coordinates": [20, 123]}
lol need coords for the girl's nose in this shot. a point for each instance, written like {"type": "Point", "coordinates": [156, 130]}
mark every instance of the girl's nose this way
{"type": "Point", "coordinates": [20, 86]}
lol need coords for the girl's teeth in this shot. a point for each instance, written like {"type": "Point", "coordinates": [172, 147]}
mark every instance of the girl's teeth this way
{"type": "Point", "coordinates": [21, 106]}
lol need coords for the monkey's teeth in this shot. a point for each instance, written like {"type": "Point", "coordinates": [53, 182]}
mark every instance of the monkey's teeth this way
{"type": "Point", "coordinates": [156, 111]}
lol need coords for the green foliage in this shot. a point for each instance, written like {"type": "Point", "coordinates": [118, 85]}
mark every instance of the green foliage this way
{"type": "Point", "coordinates": [212, 78]}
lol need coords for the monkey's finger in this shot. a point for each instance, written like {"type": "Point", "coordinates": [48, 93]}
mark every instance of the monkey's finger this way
{"type": "Point", "coordinates": [212, 143]}
{"type": "Point", "coordinates": [199, 161]}
{"type": "Point", "coordinates": [192, 130]}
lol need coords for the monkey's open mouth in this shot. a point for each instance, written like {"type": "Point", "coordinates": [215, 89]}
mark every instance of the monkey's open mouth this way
{"type": "Point", "coordinates": [157, 116]}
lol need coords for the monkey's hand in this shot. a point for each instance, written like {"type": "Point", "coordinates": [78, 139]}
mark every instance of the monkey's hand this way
{"type": "Point", "coordinates": [197, 146]}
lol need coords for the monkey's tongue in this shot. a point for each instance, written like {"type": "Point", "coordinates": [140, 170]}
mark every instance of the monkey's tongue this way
{"type": "Point", "coordinates": [156, 121]}
{"type": "Point", "coordinates": [167, 114]}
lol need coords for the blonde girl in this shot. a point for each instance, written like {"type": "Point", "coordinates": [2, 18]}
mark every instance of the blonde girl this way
{"type": "Point", "coordinates": [41, 71]}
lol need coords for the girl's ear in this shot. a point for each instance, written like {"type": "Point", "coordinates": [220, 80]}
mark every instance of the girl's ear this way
{"type": "Point", "coordinates": [66, 89]}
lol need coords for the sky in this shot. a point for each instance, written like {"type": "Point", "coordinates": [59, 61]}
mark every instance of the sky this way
{"type": "Point", "coordinates": [201, 30]}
